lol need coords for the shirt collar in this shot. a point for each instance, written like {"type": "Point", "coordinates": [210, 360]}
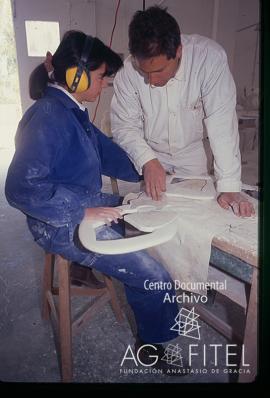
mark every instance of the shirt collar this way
{"type": "Point", "coordinates": [55, 85]}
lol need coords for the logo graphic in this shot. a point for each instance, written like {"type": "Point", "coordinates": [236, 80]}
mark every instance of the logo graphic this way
{"type": "Point", "coordinates": [172, 355]}
{"type": "Point", "coordinates": [187, 324]}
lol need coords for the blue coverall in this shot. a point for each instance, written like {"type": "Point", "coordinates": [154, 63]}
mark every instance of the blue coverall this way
{"type": "Point", "coordinates": [55, 175]}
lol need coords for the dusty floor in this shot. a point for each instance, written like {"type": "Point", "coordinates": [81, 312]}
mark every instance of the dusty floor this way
{"type": "Point", "coordinates": [27, 349]}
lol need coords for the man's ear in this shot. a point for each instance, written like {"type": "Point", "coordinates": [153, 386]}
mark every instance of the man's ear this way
{"type": "Point", "coordinates": [179, 51]}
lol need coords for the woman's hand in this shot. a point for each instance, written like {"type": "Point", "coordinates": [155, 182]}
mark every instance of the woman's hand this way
{"type": "Point", "coordinates": [105, 214]}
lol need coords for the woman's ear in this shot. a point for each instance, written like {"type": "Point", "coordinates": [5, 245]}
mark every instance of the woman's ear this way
{"type": "Point", "coordinates": [48, 62]}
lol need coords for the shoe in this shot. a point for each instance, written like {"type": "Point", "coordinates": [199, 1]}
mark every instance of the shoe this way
{"type": "Point", "coordinates": [84, 276]}
{"type": "Point", "coordinates": [167, 361]}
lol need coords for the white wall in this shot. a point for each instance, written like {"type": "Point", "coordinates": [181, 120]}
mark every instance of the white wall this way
{"type": "Point", "coordinates": [78, 14]}
{"type": "Point", "coordinates": [219, 19]}
{"type": "Point", "coordinates": [193, 16]}
{"type": "Point", "coordinates": [246, 64]}
{"type": "Point", "coordinates": [105, 11]}
{"type": "Point", "coordinates": [227, 20]}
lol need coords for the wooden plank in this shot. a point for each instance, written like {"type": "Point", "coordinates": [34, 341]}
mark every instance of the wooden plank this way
{"type": "Point", "coordinates": [114, 300]}
{"type": "Point", "coordinates": [232, 248]}
{"type": "Point", "coordinates": [82, 291]}
{"type": "Point", "coordinates": [94, 307]}
{"type": "Point", "coordinates": [114, 184]}
{"type": "Point", "coordinates": [53, 308]}
{"type": "Point", "coordinates": [47, 284]}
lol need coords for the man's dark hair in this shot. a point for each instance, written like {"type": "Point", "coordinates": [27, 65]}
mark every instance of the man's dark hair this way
{"type": "Point", "coordinates": [153, 32]}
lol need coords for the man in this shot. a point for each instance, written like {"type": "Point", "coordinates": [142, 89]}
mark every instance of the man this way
{"type": "Point", "coordinates": [171, 85]}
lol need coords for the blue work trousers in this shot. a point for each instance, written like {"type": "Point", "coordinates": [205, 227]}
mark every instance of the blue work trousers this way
{"type": "Point", "coordinates": [136, 271]}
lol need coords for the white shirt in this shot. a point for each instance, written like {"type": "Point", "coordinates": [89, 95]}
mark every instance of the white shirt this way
{"type": "Point", "coordinates": [167, 122]}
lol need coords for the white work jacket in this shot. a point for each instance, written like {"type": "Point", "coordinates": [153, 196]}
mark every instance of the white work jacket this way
{"type": "Point", "coordinates": [167, 122]}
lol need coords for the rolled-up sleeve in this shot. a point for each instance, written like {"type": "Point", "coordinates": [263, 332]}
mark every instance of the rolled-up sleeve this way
{"type": "Point", "coordinates": [127, 121]}
{"type": "Point", "coordinates": [219, 100]}
{"type": "Point", "coordinates": [114, 160]}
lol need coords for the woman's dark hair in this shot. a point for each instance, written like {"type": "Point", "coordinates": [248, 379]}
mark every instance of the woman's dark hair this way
{"type": "Point", "coordinates": [68, 54]}
{"type": "Point", "coordinates": [153, 32]}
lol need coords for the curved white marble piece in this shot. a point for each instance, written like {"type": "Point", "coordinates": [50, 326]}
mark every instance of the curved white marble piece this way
{"type": "Point", "coordinates": [162, 226]}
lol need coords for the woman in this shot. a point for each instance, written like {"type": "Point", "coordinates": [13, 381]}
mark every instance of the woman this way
{"type": "Point", "coordinates": [55, 176]}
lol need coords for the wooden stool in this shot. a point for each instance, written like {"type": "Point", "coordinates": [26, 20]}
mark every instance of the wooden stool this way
{"type": "Point", "coordinates": [67, 327]}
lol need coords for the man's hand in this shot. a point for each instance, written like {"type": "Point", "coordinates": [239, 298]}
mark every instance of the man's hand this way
{"type": "Point", "coordinates": [154, 178]}
{"type": "Point", "coordinates": [234, 200]}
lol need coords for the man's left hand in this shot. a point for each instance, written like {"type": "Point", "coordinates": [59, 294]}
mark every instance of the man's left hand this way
{"type": "Point", "coordinates": [238, 203]}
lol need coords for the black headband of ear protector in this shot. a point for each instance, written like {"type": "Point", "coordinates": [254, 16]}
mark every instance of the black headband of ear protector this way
{"type": "Point", "coordinates": [87, 48]}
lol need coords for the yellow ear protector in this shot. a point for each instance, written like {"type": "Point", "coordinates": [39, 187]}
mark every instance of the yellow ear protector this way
{"type": "Point", "coordinates": [78, 77]}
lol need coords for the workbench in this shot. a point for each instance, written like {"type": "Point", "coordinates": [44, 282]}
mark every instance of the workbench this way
{"type": "Point", "coordinates": [234, 255]}
{"type": "Point", "coordinates": [240, 261]}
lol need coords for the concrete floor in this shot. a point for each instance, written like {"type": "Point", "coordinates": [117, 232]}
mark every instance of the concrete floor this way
{"type": "Point", "coordinates": [27, 349]}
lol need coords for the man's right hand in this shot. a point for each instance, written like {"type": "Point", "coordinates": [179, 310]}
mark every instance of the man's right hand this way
{"type": "Point", "coordinates": [154, 178]}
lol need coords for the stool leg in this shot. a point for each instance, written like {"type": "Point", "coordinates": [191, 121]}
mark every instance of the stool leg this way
{"type": "Point", "coordinates": [65, 319]}
{"type": "Point", "coordinates": [47, 284]}
{"type": "Point", "coordinates": [114, 300]}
